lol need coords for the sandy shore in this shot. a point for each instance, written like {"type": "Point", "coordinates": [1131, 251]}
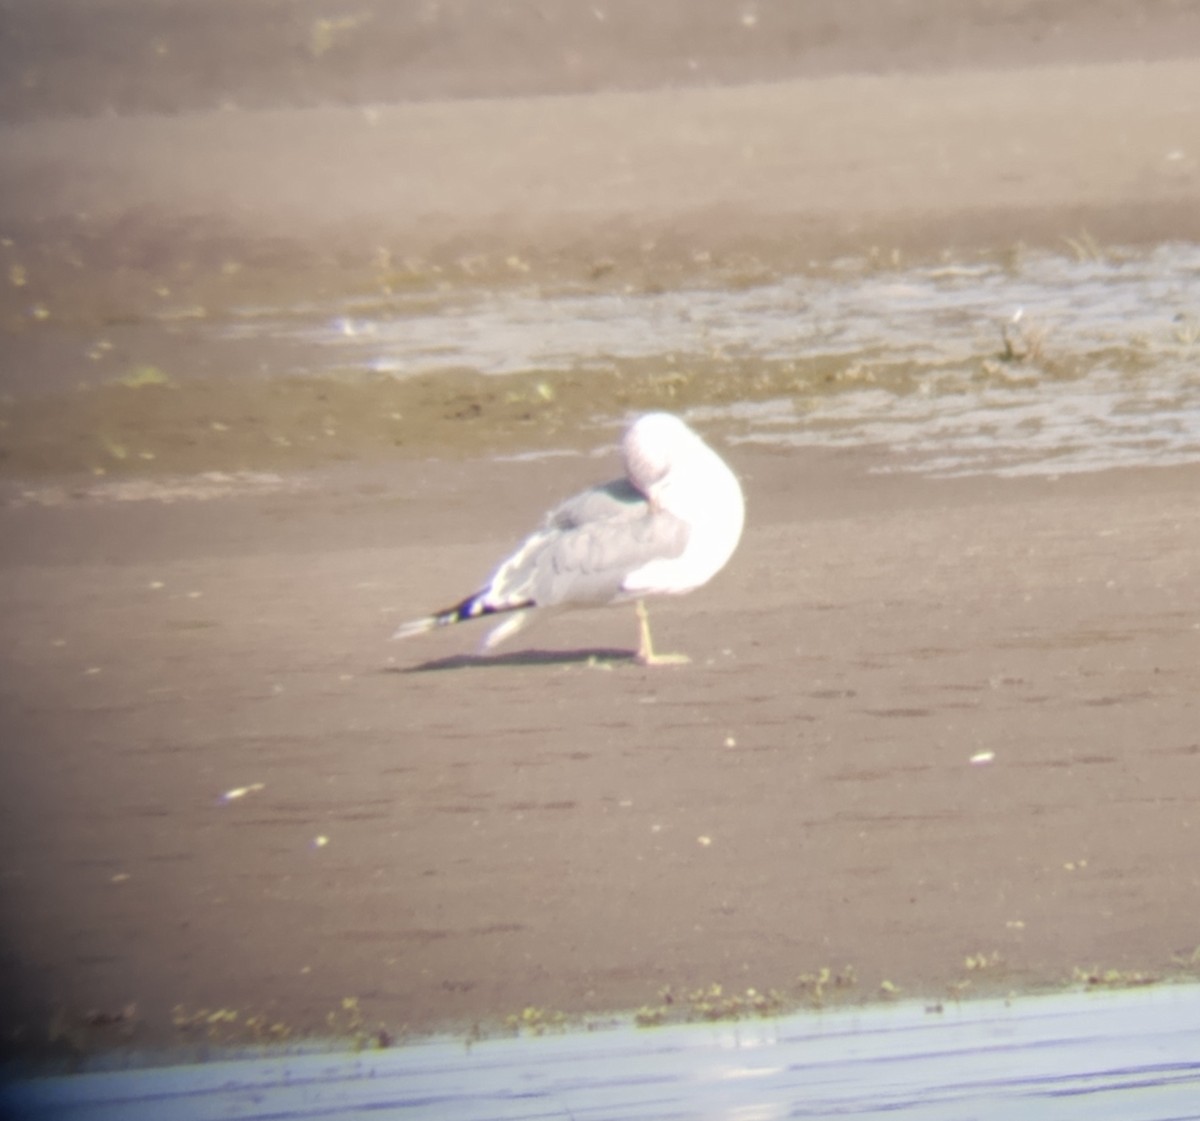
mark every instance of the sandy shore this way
{"type": "Point", "coordinates": [542, 832]}
{"type": "Point", "coordinates": [447, 843]}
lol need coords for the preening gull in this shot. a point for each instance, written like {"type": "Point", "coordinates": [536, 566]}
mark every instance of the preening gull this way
{"type": "Point", "coordinates": [666, 528]}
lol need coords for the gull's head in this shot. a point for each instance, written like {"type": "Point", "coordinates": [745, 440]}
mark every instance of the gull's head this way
{"type": "Point", "coordinates": [682, 476]}
{"type": "Point", "coordinates": [654, 445]}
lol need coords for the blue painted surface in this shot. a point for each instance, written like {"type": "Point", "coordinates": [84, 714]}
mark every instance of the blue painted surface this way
{"type": "Point", "coordinates": [1128, 1056]}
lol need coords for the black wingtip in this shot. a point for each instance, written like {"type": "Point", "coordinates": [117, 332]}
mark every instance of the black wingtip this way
{"type": "Point", "coordinates": [473, 607]}
{"type": "Point", "coordinates": [476, 607]}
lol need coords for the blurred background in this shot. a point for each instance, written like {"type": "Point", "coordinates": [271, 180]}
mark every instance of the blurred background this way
{"type": "Point", "coordinates": [100, 56]}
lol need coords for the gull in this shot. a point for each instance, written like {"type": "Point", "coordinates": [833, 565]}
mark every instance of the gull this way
{"type": "Point", "coordinates": [667, 527]}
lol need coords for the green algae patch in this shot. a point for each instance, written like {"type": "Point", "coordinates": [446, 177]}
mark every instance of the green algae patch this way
{"type": "Point", "coordinates": [159, 425]}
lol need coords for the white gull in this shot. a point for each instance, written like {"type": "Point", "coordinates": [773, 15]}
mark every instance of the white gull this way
{"type": "Point", "coordinates": [666, 528]}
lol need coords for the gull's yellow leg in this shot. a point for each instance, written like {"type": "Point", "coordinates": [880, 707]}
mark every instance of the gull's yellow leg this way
{"type": "Point", "coordinates": [645, 654]}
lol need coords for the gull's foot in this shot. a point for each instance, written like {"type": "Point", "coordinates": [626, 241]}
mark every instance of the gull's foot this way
{"type": "Point", "coordinates": [645, 655]}
{"type": "Point", "coordinates": [649, 658]}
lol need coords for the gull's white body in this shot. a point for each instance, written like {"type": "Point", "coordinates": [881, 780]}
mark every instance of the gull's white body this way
{"type": "Point", "coordinates": [666, 528]}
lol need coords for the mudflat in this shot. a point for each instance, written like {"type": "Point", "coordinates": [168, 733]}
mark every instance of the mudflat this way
{"type": "Point", "coordinates": [937, 737]}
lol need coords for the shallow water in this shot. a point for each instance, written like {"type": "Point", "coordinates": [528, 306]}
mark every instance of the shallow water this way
{"type": "Point", "coordinates": [1044, 364]}
{"type": "Point", "coordinates": [1123, 1056]}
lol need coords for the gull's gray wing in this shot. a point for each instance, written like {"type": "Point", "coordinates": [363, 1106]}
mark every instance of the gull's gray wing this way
{"type": "Point", "coordinates": [586, 548]}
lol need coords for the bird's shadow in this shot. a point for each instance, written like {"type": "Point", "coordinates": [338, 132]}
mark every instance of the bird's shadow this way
{"type": "Point", "coordinates": [598, 657]}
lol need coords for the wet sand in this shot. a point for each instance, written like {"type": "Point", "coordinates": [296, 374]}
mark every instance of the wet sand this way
{"type": "Point", "coordinates": [542, 832]}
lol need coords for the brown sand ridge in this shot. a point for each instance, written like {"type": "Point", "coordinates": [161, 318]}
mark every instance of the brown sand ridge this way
{"type": "Point", "coordinates": [420, 841]}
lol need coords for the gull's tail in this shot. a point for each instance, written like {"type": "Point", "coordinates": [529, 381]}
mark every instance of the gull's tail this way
{"type": "Point", "coordinates": [473, 607]}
